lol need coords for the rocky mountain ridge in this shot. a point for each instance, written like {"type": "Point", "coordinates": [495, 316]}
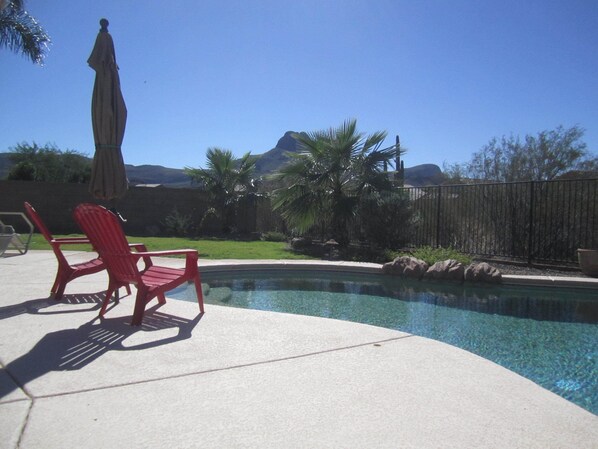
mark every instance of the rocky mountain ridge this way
{"type": "Point", "coordinates": [267, 163]}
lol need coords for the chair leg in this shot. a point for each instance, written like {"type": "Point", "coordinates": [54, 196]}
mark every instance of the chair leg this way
{"type": "Point", "coordinates": [198, 292]}
{"type": "Point", "coordinates": [54, 287]}
{"type": "Point", "coordinates": [140, 301]}
{"type": "Point", "coordinates": [62, 278]}
{"type": "Point", "coordinates": [59, 290]}
{"type": "Point", "coordinates": [111, 289]}
{"type": "Point", "coordinates": [117, 291]}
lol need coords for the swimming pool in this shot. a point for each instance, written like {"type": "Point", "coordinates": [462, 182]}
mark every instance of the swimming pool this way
{"type": "Point", "coordinates": [549, 336]}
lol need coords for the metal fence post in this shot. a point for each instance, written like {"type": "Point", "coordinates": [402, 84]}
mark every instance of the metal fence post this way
{"type": "Point", "coordinates": [438, 217]}
{"type": "Point", "coordinates": [530, 238]}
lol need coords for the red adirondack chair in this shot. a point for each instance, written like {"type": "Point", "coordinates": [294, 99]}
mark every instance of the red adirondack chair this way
{"type": "Point", "coordinates": [104, 231]}
{"type": "Point", "coordinates": [66, 271]}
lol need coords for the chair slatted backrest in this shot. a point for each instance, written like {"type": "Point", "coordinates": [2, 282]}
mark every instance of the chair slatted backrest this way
{"type": "Point", "coordinates": [105, 233]}
{"type": "Point", "coordinates": [41, 226]}
{"type": "Point", "coordinates": [36, 219]}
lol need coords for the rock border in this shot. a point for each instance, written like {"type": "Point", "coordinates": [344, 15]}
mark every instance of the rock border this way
{"type": "Point", "coordinates": [446, 270]}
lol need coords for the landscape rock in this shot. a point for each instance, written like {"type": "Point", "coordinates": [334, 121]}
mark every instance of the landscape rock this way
{"type": "Point", "coordinates": [300, 243]}
{"type": "Point", "coordinates": [406, 266]}
{"type": "Point", "coordinates": [332, 248]}
{"type": "Point", "coordinates": [449, 270]}
{"type": "Point", "coordinates": [482, 272]}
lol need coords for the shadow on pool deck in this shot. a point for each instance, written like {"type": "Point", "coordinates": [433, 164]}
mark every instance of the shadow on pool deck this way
{"type": "Point", "coordinates": [246, 378]}
{"type": "Point", "coordinates": [73, 349]}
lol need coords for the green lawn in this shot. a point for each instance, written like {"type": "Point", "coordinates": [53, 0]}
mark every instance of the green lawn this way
{"type": "Point", "coordinates": [208, 249]}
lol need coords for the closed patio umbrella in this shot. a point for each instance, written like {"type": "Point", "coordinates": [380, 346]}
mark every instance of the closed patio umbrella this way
{"type": "Point", "coordinates": [108, 117]}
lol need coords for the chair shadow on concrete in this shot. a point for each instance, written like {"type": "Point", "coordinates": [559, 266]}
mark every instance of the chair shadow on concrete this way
{"type": "Point", "coordinates": [48, 306]}
{"type": "Point", "coordinates": [73, 349]}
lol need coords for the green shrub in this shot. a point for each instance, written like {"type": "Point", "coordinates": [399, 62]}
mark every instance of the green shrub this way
{"type": "Point", "coordinates": [211, 222]}
{"type": "Point", "coordinates": [390, 254]}
{"type": "Point", "coordinates": [432, 255]}
{"type": "Point", "coordinates": [177, 224]}
{"type": "Point", "coordinates": [385, 219]}
{"type": "Point", "coordinates": [274, 236]}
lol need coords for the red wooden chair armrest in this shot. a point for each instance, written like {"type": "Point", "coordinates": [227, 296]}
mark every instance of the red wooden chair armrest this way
{"type": "Point", "coordinates": [70, 240]}
{"type": "Point", "coordinates": [191, 256]}
{"type": "Point", "coordinates": [140, 247]}
{"type": "Point", "coordinates": [173, 252]}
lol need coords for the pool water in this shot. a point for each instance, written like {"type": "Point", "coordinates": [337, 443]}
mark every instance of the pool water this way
{"type": "Point", "coordinates": [549, 336]}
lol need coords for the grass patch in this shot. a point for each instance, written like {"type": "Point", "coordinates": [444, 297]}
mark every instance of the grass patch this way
{"type": "Point", "coordinates": [208, 248]}
{"type": "Point", "coordinates": [268, 250]}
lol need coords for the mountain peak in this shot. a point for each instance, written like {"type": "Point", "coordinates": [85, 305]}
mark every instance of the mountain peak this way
{"type": "Point", "coordinates": [287, 142]}
{"type": "Point", "coordinates": [272, 160]}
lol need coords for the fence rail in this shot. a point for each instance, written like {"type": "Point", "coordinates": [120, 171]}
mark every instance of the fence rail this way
{"type": "Point", "coordinates": [533, 221]}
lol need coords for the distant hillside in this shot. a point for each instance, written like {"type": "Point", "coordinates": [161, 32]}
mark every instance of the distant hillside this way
{"type": "Point", "coordinates": [137, 174]}
{"type": "Point", "coordinates": [423, 175]}
{"type": "Point", "coordinates": [156, 174]}
{"type": "Point", "coordinates": [267, 163]}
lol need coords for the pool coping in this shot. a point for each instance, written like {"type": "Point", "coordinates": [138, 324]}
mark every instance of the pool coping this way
{"type": "Point", "coordinates": [213, 266]}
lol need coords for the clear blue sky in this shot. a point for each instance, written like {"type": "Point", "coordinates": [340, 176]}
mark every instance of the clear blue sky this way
{"type": "Point", "coordinates": [447, 76]}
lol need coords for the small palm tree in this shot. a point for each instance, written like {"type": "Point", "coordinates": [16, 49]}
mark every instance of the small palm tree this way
{"type": "Point", "coordinates": [20, 32]}
{"type": "Point", "coordinates": [326, 180]}
{"type": "Point", "coordinates": [226, 179]}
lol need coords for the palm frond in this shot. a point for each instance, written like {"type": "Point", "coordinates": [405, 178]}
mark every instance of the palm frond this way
{"type": "Point", "coordinates": [300, 206]}
{"type": "Point", "coordinates": [21, 33]}
{"type": "Point", "coordinates": [374, 141]}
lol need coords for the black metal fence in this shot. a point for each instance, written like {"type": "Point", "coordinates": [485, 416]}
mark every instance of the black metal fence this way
{"type": "Point", "coordinates": [533, 221]}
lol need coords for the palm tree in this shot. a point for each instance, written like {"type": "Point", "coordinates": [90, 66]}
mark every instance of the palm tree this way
{"type": "Point", "coordinates": [226, 179]}
{"type": "Point", "coordinates": [325, 181]}
{"type": "Point", "coordinates": [20, 32]}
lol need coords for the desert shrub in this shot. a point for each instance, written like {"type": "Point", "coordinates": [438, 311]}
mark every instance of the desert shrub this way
{"type": "Point", "coordinates": [178, 224]}
{"type": "Point", "coordinates": [385, 220]}
{"type": "Point", "coordinates": [274, 236]}
{"type": "Point", "coordinates": [211, 222]}
{"type": "Point", "coordinates": [390, 254]}
{"type": "Point", "coordinates": [432, 255]}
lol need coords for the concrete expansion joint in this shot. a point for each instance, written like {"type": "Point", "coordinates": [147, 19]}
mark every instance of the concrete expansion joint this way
{"type": "Point", "coordinates": [25, 422]}
{"type": "Point", "coordinates": [376, 343]}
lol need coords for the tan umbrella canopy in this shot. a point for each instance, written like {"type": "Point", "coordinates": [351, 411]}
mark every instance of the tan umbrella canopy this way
{"type": "Point", "coordinates": [109, 118]}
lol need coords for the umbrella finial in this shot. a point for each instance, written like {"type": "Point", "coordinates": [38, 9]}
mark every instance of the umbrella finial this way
{"type": "Point", "coordinates": [104, 25]}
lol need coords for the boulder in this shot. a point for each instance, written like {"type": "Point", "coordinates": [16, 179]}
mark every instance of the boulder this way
{"type": "Point", "coordinates": [332, 248]}
{"type": "Point", "coordinates": [449, 270]}
{"type": "Point", "coordinates": [482, 272]}
{"type": "Point", "coordinates": [300, 243]}
{"type": "Point", "coordinates": [405, 266]}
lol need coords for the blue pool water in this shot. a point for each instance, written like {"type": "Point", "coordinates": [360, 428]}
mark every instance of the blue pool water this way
{"type": "Point", "coordinates": [549, 336]}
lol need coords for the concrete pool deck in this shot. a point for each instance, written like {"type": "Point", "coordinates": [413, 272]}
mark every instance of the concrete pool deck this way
{"type": "Point", "coordinates": [236, 378]}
